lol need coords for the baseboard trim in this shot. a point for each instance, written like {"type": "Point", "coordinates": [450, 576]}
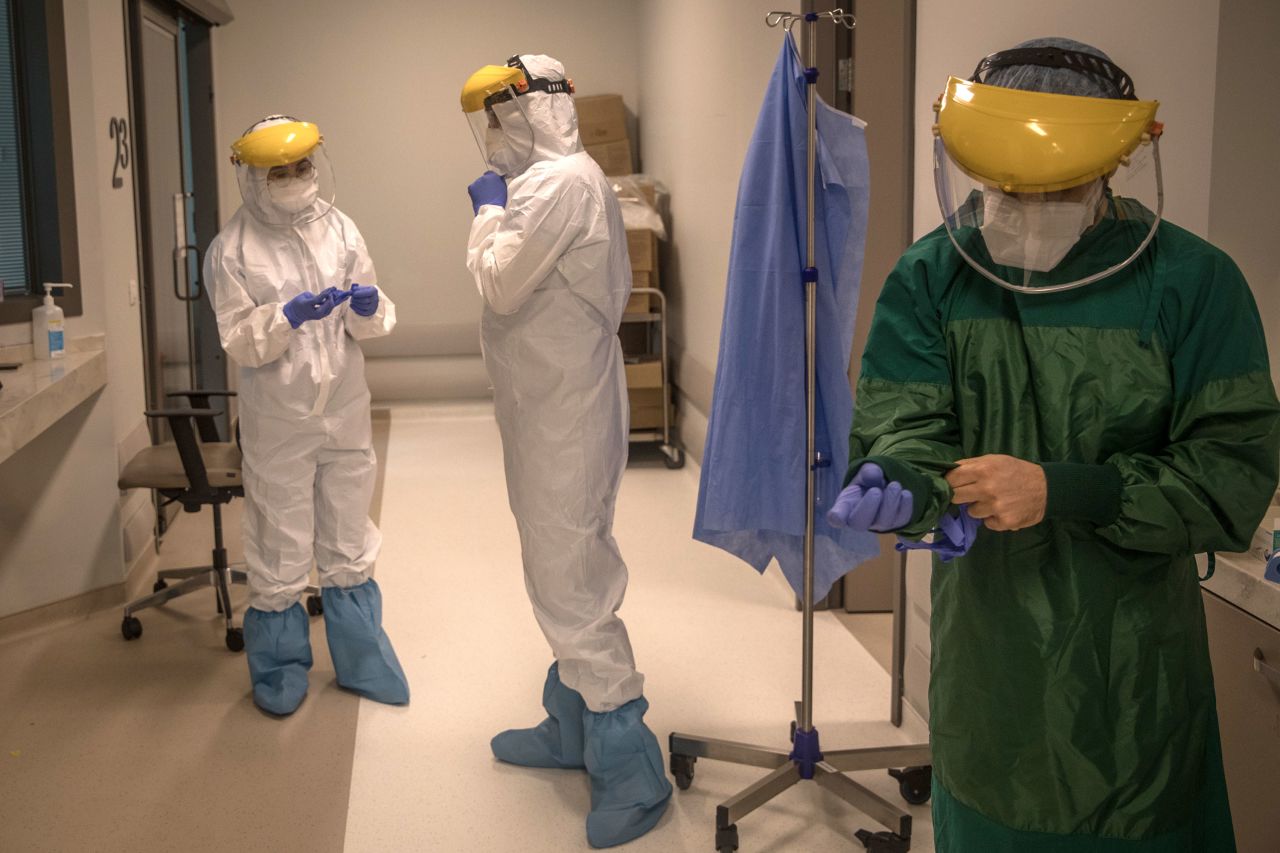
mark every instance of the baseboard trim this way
{"type": "Point", "coordinates": [60, 613]}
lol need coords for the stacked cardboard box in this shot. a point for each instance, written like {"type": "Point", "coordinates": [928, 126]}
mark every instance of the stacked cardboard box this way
{"type": "Point", "coordinates": [602, 127]}
{"type": "Point", "coordinates": [644, 390]}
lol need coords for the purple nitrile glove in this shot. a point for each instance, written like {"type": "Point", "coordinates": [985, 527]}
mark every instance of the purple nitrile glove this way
{"type": "Point", "coordinates": [869, 503]}
{"type": "Point", "coordinates": [364, 299]}
{"type": "Point", "coordinates": [489, 188]}
{"type": "Point", "coordinates": [310, 306]}
{"type": "Point", "coordinates": [953, 538]}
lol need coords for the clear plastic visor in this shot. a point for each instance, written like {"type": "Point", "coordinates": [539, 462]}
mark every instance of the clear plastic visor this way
{"type": "Point", "coordinates": [503, 134]}
{"type": "Point", "coordinates": [294, 194]}
{"type": "Point", "coordinates": [1046, 242]}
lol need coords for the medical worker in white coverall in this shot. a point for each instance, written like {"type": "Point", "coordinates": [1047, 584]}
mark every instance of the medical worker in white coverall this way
{"type": "Point", "coordinates": [294, 289]}
{"type": "Point", "coordinates": [548, 250]}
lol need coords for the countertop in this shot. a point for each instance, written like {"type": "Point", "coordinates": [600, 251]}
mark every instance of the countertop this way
{"type": "Point", "coordinates": [1238, 578]}
{"type": "Point", "coordinates": [38, 393]}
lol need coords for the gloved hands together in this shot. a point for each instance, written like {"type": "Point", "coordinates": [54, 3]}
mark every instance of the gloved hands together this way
{"type": "Point", "coordinates": [313, 306]}
{"type": "Point", "coordinates": [364, 299]}
{"type": "Point", "coordinates": [489, 188]}
{"type": "Point", "coordinates": [870, 503]}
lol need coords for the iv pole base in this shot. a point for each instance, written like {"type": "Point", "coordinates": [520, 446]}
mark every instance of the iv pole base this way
{"type": "Point", "coordinates": [785, 774]}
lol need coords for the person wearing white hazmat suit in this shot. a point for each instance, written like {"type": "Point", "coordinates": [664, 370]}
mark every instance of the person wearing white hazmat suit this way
{"type": "Point", "coordinates": [548, 251]}
{"type": "Point", "coordinates": [294, 289]}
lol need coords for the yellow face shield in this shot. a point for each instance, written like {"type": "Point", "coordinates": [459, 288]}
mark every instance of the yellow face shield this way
{"type": "Point", "coordinates": [276, 144]}
{"type": "Point", "coordinates": [1038, 141]}
{"type": "Point", "coordinates": [284, 174]}
{"type": "Point", "coordinates": [492, 104]}
{"type": "Point", "coordinates": [1043, 192]}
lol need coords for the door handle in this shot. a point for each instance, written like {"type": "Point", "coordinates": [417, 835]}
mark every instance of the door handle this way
{"type": "Point", "coordinates": [180, 273]}
{"type": "Point", "coordinates": [1265, 669]}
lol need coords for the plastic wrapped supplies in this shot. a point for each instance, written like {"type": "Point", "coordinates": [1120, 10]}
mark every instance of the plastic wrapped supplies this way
{"type": "Point", "coordinates": [642, 200]}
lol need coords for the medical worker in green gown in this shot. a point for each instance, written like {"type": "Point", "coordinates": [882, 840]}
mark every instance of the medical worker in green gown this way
{"type": "Point", "coordinates": [1073, 396]}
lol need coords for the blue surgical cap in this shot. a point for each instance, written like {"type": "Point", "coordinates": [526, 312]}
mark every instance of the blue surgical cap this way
{"type": "Point", "coordinates": [1061, 81]}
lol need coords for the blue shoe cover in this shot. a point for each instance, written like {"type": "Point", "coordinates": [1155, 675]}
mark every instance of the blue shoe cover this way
{"type": "Point", "coordinates": [362, 655]}
{"type": "Point", "coordinates": [556, 742]}
{"type": "Point", "coordinates": [278, 648]}
{"type": "Point", "coordinates": [629, 787]}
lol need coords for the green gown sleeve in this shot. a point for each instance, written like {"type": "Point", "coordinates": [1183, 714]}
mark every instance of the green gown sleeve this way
{"type": "Point", "coordinates": [1209, 487]}
{"type": "Point", "coordinates": [904, 417]}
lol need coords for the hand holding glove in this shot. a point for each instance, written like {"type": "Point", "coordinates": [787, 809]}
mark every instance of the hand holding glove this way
{"type": "Point", "coordinates": [364, 299]}
{"type": "Point", "coordinates": [871, 503]}
{"type": "Point", "coordinates": [489, 188]}
{"type": "Point", "coordinates": [954, 537]}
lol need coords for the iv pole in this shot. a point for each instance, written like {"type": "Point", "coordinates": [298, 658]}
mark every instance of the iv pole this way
{"type": "Point", "coordinates": [806, 761]}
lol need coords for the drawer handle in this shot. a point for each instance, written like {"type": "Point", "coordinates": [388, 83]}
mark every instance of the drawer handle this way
{"type": "Point", "coordinates": [1261, 666]}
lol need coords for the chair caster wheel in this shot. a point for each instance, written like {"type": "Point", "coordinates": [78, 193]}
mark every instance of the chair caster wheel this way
{"type": "Point", "coordinates": [235, 639]}
{"type": "Point", "coordinates": [159, 585]}
{"type": "Point", "coordinates": [727, 839]}
{"type": "Point", "coordinates": [883, 842]}
{"type": "Point", "coordinates": [131, 628]}
{"type": "Point", "coordinates": [682, 769]}
{"type": "Point", "coordinates": [315, 605]}
{"type": "Point", "coordinates": [914, 783]}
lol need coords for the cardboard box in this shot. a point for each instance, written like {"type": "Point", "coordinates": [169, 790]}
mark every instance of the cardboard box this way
{"type": "Point", "coordinates": [601, 118]}
{"type": "Point", "coordinates": [645, 398]}
{"type": "Point", "coordinates": [639, 303]}
{"type": "Point", "coordinates": [644, 374]}
{"type": "Point", "coordinates": [614, 157]}
{"type": "Point", "coordinates": [642, 246]}
{"type": "Point", "coordinates": [650, 417]}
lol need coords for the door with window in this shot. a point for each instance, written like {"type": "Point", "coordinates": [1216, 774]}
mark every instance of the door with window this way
{"type": "Point", "coordinates": [177, 199]}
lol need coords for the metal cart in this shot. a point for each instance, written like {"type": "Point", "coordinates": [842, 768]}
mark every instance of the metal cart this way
{"type": "Point", "coordinates": [672, 453]}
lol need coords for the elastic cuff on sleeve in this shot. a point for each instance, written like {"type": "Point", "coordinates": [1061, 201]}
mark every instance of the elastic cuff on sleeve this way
{"type": "Point", "coordinates": [912, 479]}
{"type": "Point", "coordinates": [1075, 490]}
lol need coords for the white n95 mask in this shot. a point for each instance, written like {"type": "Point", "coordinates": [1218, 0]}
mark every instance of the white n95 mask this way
{"type": "Point", "coordinates": [1035, 235]}
{"type": "Point", "coordinates": [293, 195]}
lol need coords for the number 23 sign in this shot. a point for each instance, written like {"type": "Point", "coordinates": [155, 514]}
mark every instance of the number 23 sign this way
{"type": "Point", "coordinates": [119, 131]}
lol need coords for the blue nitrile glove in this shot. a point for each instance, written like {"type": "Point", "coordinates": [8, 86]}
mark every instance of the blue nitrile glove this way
{"type": "Point", "coordinates": [310, 306]}
{"type": "Point", "coordinates": [869, 503]}
{"type": "Point", "coordinates": [953, 538]}
{"type": "Point", "coordinates": [489, 188]}
{"type": "Point", "coordinates": [364, 300]}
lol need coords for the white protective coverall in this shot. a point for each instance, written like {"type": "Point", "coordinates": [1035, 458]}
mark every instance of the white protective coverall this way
{"type": "Point", "coordinates": [553, 269]}
{"type": "Point", "coordinates": [309, 466]}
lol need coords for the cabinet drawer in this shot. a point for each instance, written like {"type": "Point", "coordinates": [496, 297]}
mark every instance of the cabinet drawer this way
{"type": "Point", "coordinates": [1249, 714]}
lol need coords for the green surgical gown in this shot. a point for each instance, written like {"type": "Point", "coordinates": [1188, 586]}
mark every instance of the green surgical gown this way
{"type": "Point", "coordinates": [1071, 697]}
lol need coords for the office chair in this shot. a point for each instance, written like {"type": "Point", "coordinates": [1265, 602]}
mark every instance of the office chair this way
{"type": "Point", "coordinates": [195, 472]}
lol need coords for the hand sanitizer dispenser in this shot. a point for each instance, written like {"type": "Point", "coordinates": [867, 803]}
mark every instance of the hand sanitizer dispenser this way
{"type": "Point", "coordinates": [47, 333]}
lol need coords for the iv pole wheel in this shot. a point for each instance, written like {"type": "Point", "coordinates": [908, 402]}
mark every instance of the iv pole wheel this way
{"type": "Point", "coordinates": [883, 842]}
{"type": "Point", "coordinates": [727, 838]}
{"type": "Point", "coordinates": [914, 783]}
{"type": "Point", "coordinates": [235, 639]}
{"type": "Point", "coordinates": [682, 770]}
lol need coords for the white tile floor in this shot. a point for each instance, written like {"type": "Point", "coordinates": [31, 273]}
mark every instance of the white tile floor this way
{"type": "Point", "coordinates": [720, 647]}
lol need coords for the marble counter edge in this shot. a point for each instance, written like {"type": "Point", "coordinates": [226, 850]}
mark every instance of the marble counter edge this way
{"type": "Point", "coordinates": [86, 374]}
{"type": "Point", "coordinates": [1237, 580]}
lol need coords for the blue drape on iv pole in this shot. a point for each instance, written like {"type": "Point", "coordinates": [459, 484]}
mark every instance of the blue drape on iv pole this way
{"type": "Point", "coordinates": [751, 501]}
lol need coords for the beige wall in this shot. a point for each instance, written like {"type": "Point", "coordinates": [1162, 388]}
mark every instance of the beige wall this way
{"type": "Point", "coordinates": [1246, 177]}
{"type": "Point", "coordinates": [694, 140]}
{"type": "Point", "coordinates": [64, 527]}
{"type": "Point", "coordinates": [382, 79]}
